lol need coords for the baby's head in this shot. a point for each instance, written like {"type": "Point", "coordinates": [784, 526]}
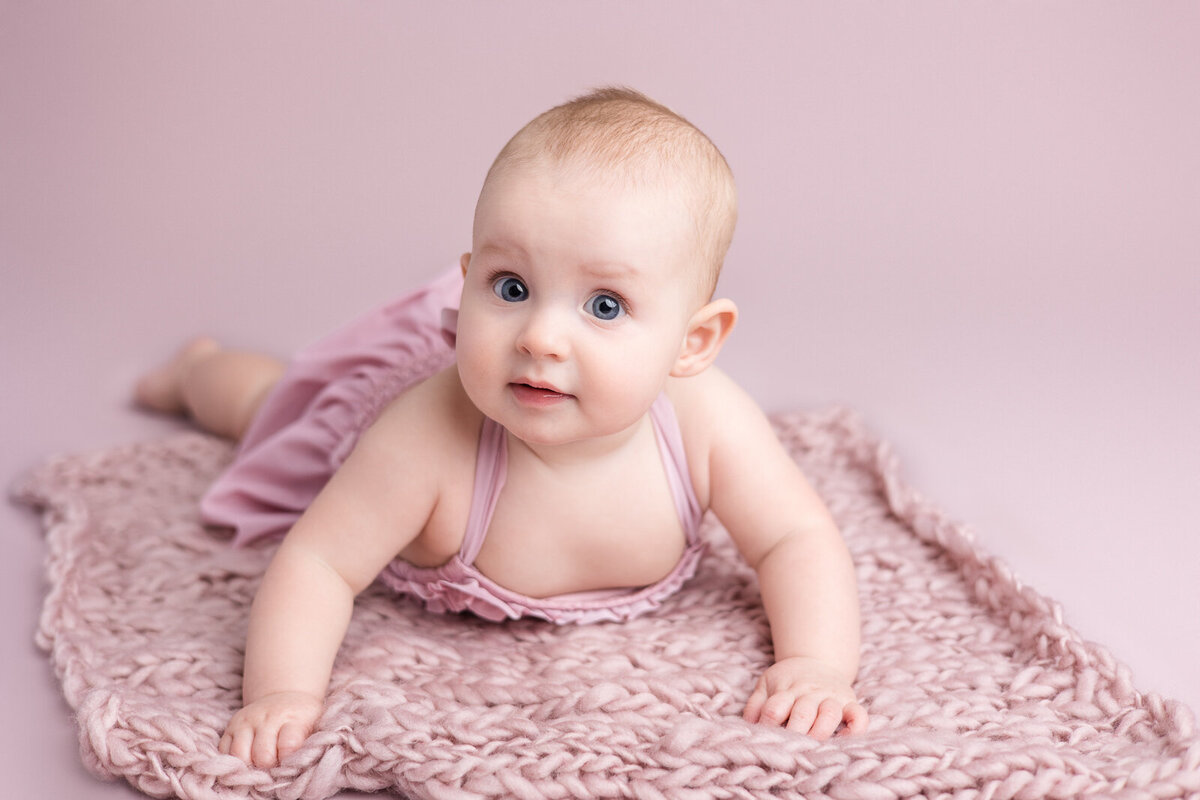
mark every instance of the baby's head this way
{"type": "Point", "coordinates": [598, 238]}
{"type": "Point", "coordinates": [623, 138]}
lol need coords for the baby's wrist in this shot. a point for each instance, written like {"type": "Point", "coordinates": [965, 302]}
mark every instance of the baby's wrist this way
{"type": "Point", "coordinates": [289, 695]}
{"type": "Point", "coordinates": [824, 664]}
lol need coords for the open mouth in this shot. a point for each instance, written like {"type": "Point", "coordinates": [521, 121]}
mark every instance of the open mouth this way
{"type": "Point", "coordinates": [532, 394]}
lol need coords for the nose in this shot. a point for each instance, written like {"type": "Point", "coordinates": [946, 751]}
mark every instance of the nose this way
{"type": "Point", "coordinates": [544, 335]}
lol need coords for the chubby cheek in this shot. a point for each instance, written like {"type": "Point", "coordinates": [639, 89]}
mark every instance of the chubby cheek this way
{"type": "Point", "coordinates": [477, 363]}
{"type": "Point", "coordinates": [625, 384]}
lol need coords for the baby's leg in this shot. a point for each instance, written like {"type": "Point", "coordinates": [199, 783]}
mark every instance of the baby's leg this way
{"type": "Point", "coordinates": [221, 389]}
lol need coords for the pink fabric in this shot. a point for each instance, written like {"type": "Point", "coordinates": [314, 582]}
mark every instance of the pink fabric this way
{"type": "Point", "coordinates": [976, 687]}
{"type": "Point", "coordinates": [330, 393]}
{"type": "Point", "coordinates": [458, 586]}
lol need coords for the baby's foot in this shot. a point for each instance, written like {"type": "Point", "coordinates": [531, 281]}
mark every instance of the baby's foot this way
{"type": "Point", "coordinates": [162, 388]}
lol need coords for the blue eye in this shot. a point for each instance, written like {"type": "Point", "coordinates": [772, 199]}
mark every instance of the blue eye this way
{"type": "Point", "coordinates": [604, 307]}
{"type": "Point", "coordinates": [510, 289]}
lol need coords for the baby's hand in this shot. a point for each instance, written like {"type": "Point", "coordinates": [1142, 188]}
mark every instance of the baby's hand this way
{"type": "Point", "coordinates": [271, 728]}
{"type": "Point", "coordinates": [808, 696]}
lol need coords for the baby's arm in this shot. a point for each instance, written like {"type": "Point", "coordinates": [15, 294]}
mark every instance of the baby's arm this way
{"type": "Point", "coordinates": [784, 531]}
{"type": "Point", "coordinates": [372, 507]}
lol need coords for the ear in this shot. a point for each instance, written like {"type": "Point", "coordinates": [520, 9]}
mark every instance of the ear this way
{"type": "Point", "coordinates": [707, 331]}
{"type": "Point", "coordinates": [464, 261]}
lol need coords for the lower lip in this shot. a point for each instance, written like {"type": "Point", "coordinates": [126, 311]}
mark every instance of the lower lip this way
{"type": "Point", "coordinates": [539, 398]}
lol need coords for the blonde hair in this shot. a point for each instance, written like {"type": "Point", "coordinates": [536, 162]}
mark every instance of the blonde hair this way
{"type": "Point", "coordinates": [620, 133]}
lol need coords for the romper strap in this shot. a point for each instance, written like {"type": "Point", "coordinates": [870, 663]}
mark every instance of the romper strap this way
{"type": "Point", "coordinates": [670, 446]}
{"type": "Point", "coordinates": [491, 469]}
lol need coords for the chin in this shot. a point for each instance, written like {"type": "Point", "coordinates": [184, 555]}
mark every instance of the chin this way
{"type": "Point", "coordinates": [544, 435]}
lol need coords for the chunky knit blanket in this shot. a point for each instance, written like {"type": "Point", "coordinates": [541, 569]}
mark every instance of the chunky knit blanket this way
{"type": "Point", "coordinates": [975, 686]}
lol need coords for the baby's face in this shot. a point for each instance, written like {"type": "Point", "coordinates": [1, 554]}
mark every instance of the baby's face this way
{"type": "Point", "coordinates": [576, 302]}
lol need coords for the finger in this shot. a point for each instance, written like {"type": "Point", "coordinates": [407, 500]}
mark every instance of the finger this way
{"type": "Point", "coordinates": [855, 717]}
{"type": "Point", "coordinates": [777, 709]}
{"type": "Point", "coordinates": [803, 712]}
{"type": "Point", "coordinates": [754, 705]}
{"type": "Point", "coordinates": [291, 737]}
{"type": "Point", "coordinates": [263, 751]}
{"type": "Point", "coordinates": [224, 743]}
{"type": "Point", "coordinates": [240, 742]}
{"type": "Point", "coordinates": [829, 716]}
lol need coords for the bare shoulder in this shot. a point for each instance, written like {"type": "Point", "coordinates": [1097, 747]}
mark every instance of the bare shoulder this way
{"type": "Point", "coordinates": [711, 406]}
{"type": "Point", "coordinates": [717, 418]}
{"type": "Point", "coordinates": [434, 416]}
{"type": "Point", "coordinates": [752, 483]}
{"type": "Point", "coordinates": [383, 496]}
{"type": "Point", "coordinates": [417, 448]}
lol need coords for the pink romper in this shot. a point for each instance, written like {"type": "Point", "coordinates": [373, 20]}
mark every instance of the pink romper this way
{"type": "Point", "coordinates": [334, 389]}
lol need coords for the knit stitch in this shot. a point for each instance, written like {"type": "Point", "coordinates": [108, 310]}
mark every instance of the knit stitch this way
{"type": "Point", "coordinates": [975, 685]}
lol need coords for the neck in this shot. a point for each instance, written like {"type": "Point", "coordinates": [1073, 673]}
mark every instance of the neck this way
{"type": "Point", "coordinates": [577, 453]}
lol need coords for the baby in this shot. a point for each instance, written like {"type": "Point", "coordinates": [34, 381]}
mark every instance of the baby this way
{"type": "Point", "coordinates": [556, 461]}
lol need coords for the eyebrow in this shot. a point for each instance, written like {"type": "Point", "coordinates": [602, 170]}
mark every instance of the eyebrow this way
{"type": "Point", "coordinates": [611, 270]}
{"type": "Point", "coordinates": [602, 270]}
{"type": "Point", "coordinates": [502, 248]}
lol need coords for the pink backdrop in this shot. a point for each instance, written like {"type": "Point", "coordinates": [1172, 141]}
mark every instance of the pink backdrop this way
{"type": "Point", "coordinates": [977, 224]}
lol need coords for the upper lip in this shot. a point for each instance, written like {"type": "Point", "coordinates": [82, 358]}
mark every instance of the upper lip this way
{"type": "Point", "coordinates": [549, 387]}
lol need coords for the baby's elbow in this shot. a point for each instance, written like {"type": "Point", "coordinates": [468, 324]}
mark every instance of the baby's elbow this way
{"type": "Point", "coordinates": [779, 551]}
{"type": "Point", "coordinates": [297, 564]}
{"type": "Point", "coordinates": [819, 542]}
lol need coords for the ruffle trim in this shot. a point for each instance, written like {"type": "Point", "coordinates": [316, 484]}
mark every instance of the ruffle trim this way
{"type": "Point", "coordinates": [457, 586]}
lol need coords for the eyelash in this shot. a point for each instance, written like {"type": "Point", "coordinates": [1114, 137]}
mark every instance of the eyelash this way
{"type": "Point", "coordinates": [497, 274]}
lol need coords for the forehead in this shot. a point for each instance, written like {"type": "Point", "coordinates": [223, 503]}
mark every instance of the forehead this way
{"type": "Point", "coordinates": [532, 205]}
